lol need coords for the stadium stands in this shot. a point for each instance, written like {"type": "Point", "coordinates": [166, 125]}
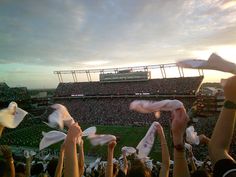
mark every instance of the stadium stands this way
{"type": "Point", "coordinates": [108, 103]}
{"type": "Point", "coordinates": [166, 86]}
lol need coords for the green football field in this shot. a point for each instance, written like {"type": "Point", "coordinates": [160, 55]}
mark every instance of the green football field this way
{"type": "Point", "coordinates": [126, 136]}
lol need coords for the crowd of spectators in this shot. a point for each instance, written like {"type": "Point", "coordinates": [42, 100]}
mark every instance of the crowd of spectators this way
{"type": "Point", "coordinates": [8, 94]}
{"type": "Point", "coordinates": [115, 110]}
{"type": "Point", "coordinates": [166, 86]}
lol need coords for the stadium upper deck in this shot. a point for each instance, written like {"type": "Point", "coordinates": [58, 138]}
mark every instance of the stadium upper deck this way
{"type": "Point", "coordinates": [166, 86]}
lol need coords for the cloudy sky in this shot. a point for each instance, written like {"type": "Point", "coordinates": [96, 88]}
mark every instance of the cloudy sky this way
{"type": "Point", "coordinates": [39, 37]}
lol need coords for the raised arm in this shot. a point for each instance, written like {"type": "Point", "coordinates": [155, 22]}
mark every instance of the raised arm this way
{"type": "Point", "coordinates": [125, 168]}
{"type": "Point", "coordinates": [224, 128]}
{"type": "Point", "coordinates": [165, 166]}
{"type": "Point", "coordinates": [58, 172]}
{"type": "Point", "coordinates": [71, 160]}
{"type": "Point", "coordinates": [178, 126]}
{"type": "Point", "coordinates": [81, 158]}
{"type": "Point", "coordinates": [6, 151]}
{"type": "Point", "coordinates": [109, 168]}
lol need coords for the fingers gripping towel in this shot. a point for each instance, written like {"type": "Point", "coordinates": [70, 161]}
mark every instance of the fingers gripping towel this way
{"type": "Point", "coordinates": [145, 145]}
{"type": "Point", "coordinates": [101, 139]}
{"type": "Point", "coordinates": [214, 62]}
{"type": "Point", "coordinates": [53, 137]}
{"type": "Point", "coordinates": [59, 117]}
{"type": "Point", "coordinates": [50, 138]}
{"type": "Point", "coordinates": [191, 136]}
{"type": "Point", "coordinates": [144, 106]}
{"type": "Point", "coordinates": [12, 116]}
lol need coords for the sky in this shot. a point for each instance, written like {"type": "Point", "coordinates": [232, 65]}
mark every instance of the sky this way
{"type": "Point", "coordinates": [39, 37]}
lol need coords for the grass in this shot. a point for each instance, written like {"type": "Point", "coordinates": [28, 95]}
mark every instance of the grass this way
{"type": "Point", "coordinates": [127, 136]}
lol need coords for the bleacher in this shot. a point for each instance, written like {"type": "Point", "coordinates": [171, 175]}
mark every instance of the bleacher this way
{"type": "Point", "coordinates": [108, 103]}
{"type": "Point", "coordinates": [166, 86]}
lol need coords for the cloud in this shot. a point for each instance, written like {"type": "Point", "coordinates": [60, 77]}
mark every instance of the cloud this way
{"type": "Point", "coordinates": [71, 32]}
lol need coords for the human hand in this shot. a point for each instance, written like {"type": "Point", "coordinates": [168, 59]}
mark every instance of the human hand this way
{"type": "Point", "coordinates": [178, 125]}
{"type": "Point", "coordinates": [203, 139]}
{"type": "Point", "coordinates": [74, 133]}
{"type": "Point", "coordinates": [111, 145]}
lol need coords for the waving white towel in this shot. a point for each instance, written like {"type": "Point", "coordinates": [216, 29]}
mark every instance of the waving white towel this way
{"type": "Point", "coordinates": [214, 62]}
{"type": "Point", "coordinates": [59, 117]}
{"type": "Point", "coordinates": [101, 139]}
{"type": "Point", "coordinates": [128, 150]}
{"type": "Point", "coordinates": [191, 136]}
{"type": "Point", "coordinates": [145, 106]}
{"type": "Point", "coordinates": [50, 138]}
{"type": "Point", "coordinates": [145, 145]}
{"type": "Point", "coordinates": [53, 137]}
{"type": "Point", "coordinates": [89, 131]}
{"type": "Point", "coordinates": [12, 116]}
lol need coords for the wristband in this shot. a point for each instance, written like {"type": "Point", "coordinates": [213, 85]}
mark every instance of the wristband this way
{"type": "Point", "coordinates": [179, 147]}
{"type": "Point", "coordinates": [229, 104]}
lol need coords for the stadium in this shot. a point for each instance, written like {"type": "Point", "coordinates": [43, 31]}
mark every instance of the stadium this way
{"type": "Point", "coordinates": [105, 104]}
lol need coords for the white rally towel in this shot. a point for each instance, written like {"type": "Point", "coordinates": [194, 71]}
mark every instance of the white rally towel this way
{"type": "Point", "coordinates": [145, 145]}
{"type": "Point", "coordinates": [50, 138]}
{"type": "Point", "coordinates": [59, 117]}
{"type": "Point", "coordinates": [128, 150]}
{"type": "Point", "coordinates": [145, 106]}
{"type": "Point", "coordinates": [101, 139]}
{"type": "Point", "coordinates": [214, 62]}
{"type": "Point", "coordinates": [191, 136]}
{"type": "Point", "coordinates": [12, 116]}
{"type": "Point", "coordinates": [53, 137]}
{"type": "Point", "coordinates": [188, 146]}
{"type": "Point", "coordinates": [89, 131]}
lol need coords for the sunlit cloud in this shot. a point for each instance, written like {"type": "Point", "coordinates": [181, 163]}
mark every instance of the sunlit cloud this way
{"type": "Point", "coordinates": [75, 34]}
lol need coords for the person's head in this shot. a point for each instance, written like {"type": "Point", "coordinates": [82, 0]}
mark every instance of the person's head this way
{"type": "Point", "coordinates": [200, 173]}
{"type": "Point", "coordinates": [51, 167]}
{"type": "Point", "coordinates": [138, 169]}
{"type": "Point", "coordinates": [36, 169]}
{"type": "Point", "coordinates": [20, 170]}
{"type": "Point", "coordinates": [3, 167]}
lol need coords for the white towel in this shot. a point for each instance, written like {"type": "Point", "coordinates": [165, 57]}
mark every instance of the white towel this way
{"type": "Point", "coordinates": [12, 116]}
{"type": "Point", "coordinates": [145, 145]}
{"type": "Point", "coordinates": [89, 131]}
{"type": "Point", "coordinates": [128, 150]}
{"type": "Point", "coordinates": [214, 62]}
{"type": "Point", "coordinates": [188, 146]}
{"type": "Point", "coordinates": [53, 137]}
{"type": "Point", "coordinates": [50, 138]}
{"type": "Point", "coordinates": [145, 106]}
{"type": "Point", "coordinates": [59, 117]}
{"type": "Point", "coordinates": [101, 139]}
{"type": "Point", "coordinates": [191, 136]}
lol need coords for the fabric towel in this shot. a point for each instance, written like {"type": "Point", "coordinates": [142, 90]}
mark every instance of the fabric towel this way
{"type": "Point", "coordinates": [128, 150]}
{"type": "Point", "coordinates": [50, 138]}
{"type": "Point", "coordinates": [144, 106]}
{"type": "Point", "coordinates": [12, 116]}
{"type": "Point", "coordinates": [145, 145]}
{"type": "Point", "coordinates": [101, 139]}
{"type": "Point", "coordinates": [53, 137]}
{"type": "Point", "coordinates": [191, 136]}
{"type": "Point", "coordinates": [59, 117]}
{"type": "Point", "coordinates": [215, 62]}
{"type": "Point", "coordinates": [89, 131]}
